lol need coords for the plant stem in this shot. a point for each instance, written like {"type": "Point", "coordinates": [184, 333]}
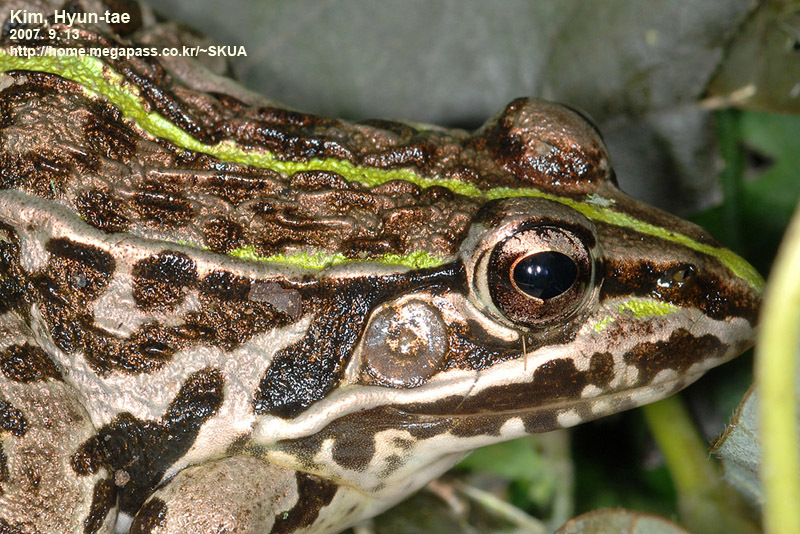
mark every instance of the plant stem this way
{"type": "Point", "coordinates": [776, 376]}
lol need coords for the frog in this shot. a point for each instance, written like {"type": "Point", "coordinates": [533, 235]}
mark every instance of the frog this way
{"type": "Point", "coordinates": [219, 314]}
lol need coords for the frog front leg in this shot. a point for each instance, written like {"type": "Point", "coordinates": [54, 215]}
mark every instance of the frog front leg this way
{"type": "Point", "coordinates": [247, 494]}
{"type": "Point", "coordinates": [50, 482]}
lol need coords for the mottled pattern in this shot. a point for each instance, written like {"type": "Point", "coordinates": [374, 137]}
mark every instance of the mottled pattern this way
{"type": "Point", "coordinates": [306, 371]}
{"type": "Point", "coordinates": [12, 420]}
{"type": "Point", "coordinates": [131, 184]}
{"type": "Point", "coordinates": [27, 363]}
{"type": "Point", "coordinates": [241, 318]}
{"type": "Point", "coordinates": [104, 498]}
{"type": "Point", "coordinates": [317, 493]}
{"type": "Point", "coordinates": [653, 358]}
{"type": "Point", "coordinates": [151, 516]}
{"type": "Point", "coordinates": [145, 449]}
{"type": "Point", "coordinates": [160, 282]}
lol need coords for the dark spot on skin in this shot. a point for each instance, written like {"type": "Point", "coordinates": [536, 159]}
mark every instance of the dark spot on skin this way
{"type": "Point", "coordinates": [43, 173]}
{"type": "Point", "coordinates": [104, 498]}
{"type": "Point", "coordinates": [81, 272]}
{"type": "Point", "coordinates": [369, 248]}
{"type": "Point", "coordinates": [478, 426]}
{"type": "Point", "coordinates": [315, 493]}
{"type": "Point", "coordinates": [162, 207]}
{"type": "Point", "coordinates": [238, 445]}
{"type": "Point", "coordinates": [405, 444]}
{"type": "Point", "coordinates": [296, 119]}
{"type": "Point", "coordinates": [152, 516]}
{"type": "Point", "coordinates": [3, 468]}
{"type": "Point", "coordinates": [464, 353]}
{"type": "Point", "coordinates": [223, 235]}
{"type": "Point", "coordinates": [8, 528]}
{"type": "Point", "coordinates": [393, 463]}
{"type": "Point", "coordinates": [102, 210]}
{"type": "Point", "coordinates": [679, 352]}
{"type": "Point", "coordinates": [435, 194]}
{"type": "Point", "coordinates": [161, 281]}
{"type": "Point", "coordinates": [237, 186]}
{"type": "Point", "coordinates": [28, 363]}
{"type": "Point", "coordinates": [418, 154]}
{"type": "Point", "coordinates": [318, 180]}
{"type": "Point", "coordinates": [601, 369]}
{"type": "Point", "coordinates": [556, 379]}
{"type": "Point", "coordinates": [58, 313]}
{"type": "Point", "coordinates": [232, 313]}
{"type": "Point", "coordinates": [351, 431]}
{"type": "Point", "coordinates": [552, 381]}
{"type": "Point", "coordinates": [537, 422]}
{"type": "Point", "coordinates": [12, 420]}
{"type": "Point", "coordinates": [295, 143]}
{"type": "Point", "coordinates": [354, 451]}
{"type": "Point", "coordinates": [89, 458]}
{"type": "Point", "coordinates": [224, 285]}
{"type": "Point", "coordinates": [108, 135]}
{"type": "Point", "coordinates": [92, 257]}
{"type": "Point", "coordinates": [309, 369]}
{"type": "Point", "coordinates": [145, 449]}
{"type": "Point", "coordinates": [13, 294]}
{"type": "Point", "coordinates": [229, 324]}
{"type": "Point", "coordinates": [145, 350]}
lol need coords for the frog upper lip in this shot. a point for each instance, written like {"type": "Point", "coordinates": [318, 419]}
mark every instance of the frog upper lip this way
{"type": "Point", "coordinates": [619, 397]}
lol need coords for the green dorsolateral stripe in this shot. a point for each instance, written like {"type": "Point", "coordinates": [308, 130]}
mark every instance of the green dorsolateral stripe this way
{"type": "Point", "coordinates": [639, 308]}
{"type": "Point", "coordinates": [322, 260]}
{"type": "Point", "coordinates": [642, 308]}
{"type": "Point", "coordinates": [99, 79]}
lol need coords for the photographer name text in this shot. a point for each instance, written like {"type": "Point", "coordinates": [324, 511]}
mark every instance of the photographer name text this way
{"type": "Point", "coordinates": [67, 18]}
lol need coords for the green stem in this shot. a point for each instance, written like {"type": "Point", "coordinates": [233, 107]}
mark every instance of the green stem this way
{"type": "Point", "coordinates": [684, 450]}
{"type": "Point", "coordinates": [776, 375]}
{"type": "Point", "coordinates": [706, 505]}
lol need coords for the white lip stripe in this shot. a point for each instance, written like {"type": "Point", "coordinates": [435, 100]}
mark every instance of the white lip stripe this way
{"type": "Point", "coordinates": [355, 398]}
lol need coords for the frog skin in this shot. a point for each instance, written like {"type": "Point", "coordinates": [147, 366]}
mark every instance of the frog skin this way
{"type": "Point", "coordinates": [220, 315]}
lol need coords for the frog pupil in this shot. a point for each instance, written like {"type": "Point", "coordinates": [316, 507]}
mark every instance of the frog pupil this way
{"type": "Point", "coordinates": [545, 275]}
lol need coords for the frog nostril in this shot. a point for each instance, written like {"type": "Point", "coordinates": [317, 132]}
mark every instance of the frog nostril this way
{"type": "Point", "coordinates": [678, 275]}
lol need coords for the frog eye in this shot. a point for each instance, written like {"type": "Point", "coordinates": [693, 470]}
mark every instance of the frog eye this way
{"type": "Point", "coordinates": [544, 275]}
{"type": "Point", "coordinates": [539, 275]}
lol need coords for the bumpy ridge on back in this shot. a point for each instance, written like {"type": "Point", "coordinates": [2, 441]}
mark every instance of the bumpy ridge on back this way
{"type": "Point", "coordinates": [98, 78]}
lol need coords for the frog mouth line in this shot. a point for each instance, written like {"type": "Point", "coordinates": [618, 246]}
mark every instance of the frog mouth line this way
{"type": "Point", "coordinates": [622, 400]}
